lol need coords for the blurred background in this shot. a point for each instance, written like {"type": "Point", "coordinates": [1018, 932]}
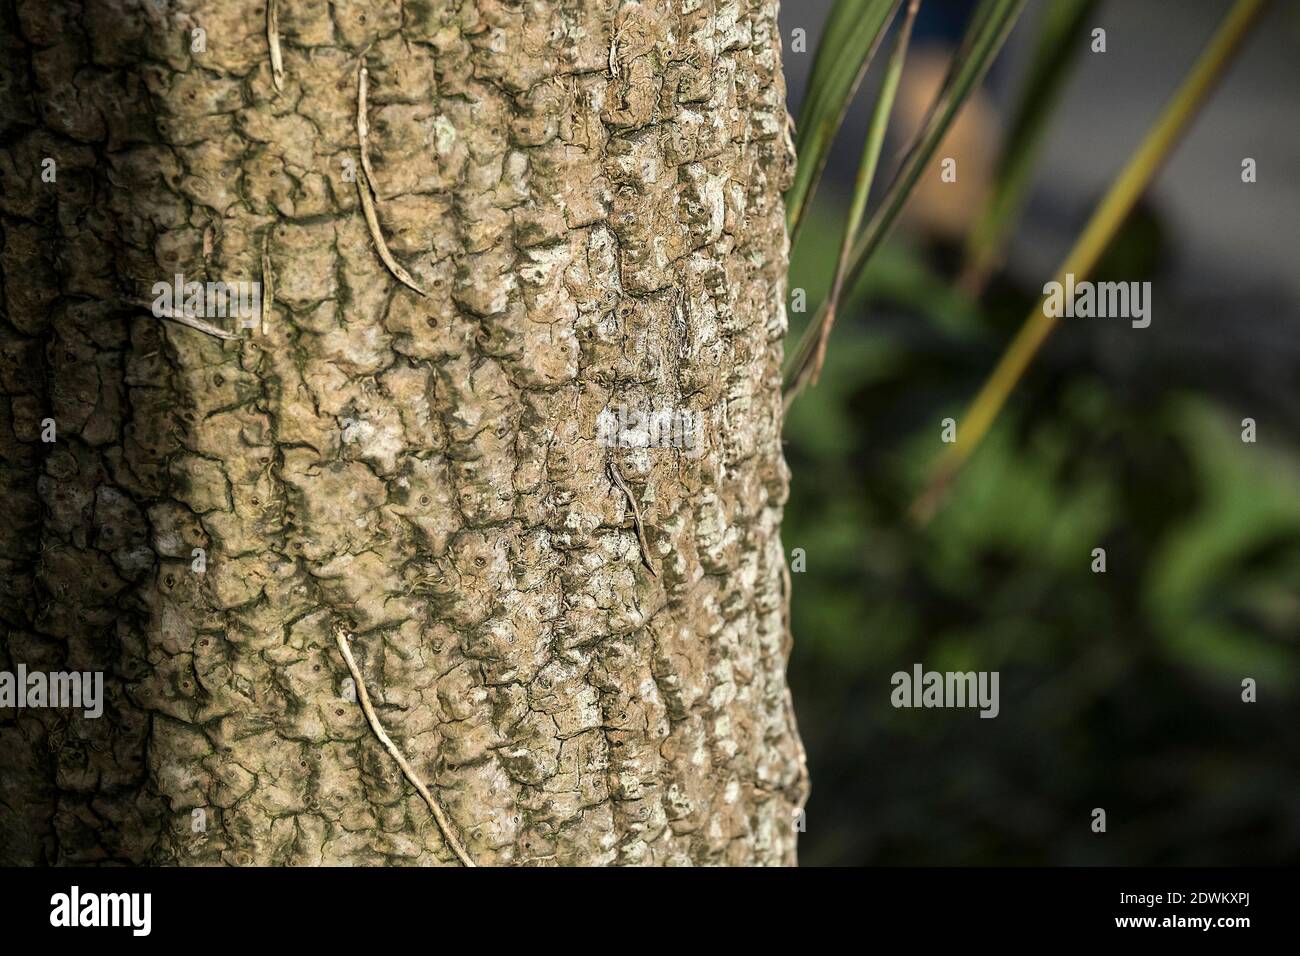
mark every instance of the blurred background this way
{"type": "Point", "coordinates": [1120, 690]}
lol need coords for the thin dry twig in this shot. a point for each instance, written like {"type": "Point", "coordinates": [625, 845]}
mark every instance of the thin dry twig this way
{"type": "Point", "coordinates": [273, 41]}
{"type": "Point", "coordinates": [444, 824]}
{"type": "Point", "coordinates": [268, 282]}
{"type": "Point", "coordinates": [365, 185]}
{"type": "Point", "coordinates": [614, 69]}
{"type": "Point", "coordinates": [190, 321]}
{"type": "Point", "coordinates": [363, 122]}
{"type": "Point", "coordinates": [636, 518]}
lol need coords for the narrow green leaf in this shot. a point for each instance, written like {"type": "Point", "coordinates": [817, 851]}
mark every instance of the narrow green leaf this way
{"type": "Point", "coordinates": [985, 34]}
{"type": "Point", "coordinates": [849, 41]}
{"type": "Point", "coordinates": [1105, 223]}
{"type": "Point", "coordinates": [990, 24]}
{"type": "Point", "coordinates": [1059, 43]}
{"type": "Point", "coordinates": [808, 363]}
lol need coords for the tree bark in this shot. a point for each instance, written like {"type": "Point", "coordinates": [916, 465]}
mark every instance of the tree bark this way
{"type": "Point", "coordinates": [587, 194]}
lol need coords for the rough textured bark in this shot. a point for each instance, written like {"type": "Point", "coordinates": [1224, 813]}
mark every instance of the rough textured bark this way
{"type": "Point", "coordinates": [589, 193]}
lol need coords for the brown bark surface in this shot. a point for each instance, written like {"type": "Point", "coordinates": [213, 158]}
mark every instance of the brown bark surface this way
{"type": "Point", "coordinates": [588, 192]}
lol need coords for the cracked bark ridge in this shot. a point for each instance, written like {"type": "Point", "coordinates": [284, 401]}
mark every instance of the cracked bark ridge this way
{"type": "Point", "coordinates": [589, 194]}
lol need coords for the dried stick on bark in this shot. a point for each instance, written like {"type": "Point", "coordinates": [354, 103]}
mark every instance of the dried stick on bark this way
{"type": "Point", "coordinates": [444, 824]}
{"type": "Point", "coordinates": [268, 282]}
{"type": "Point", "coordinates": [191, 322]}
{"type": "Point", "coordinates": [636, 518]}
{"type": "Point", "coordinates": [273, 41]}
{"type": "Point", "coordinates": [365, 184]}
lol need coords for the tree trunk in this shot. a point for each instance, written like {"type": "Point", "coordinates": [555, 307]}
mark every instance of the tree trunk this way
{"type": "Point", "coordinates": [580, 649]}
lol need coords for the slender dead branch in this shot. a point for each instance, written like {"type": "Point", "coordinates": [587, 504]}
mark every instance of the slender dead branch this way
{"type": "Point", "coordinates": [273, 41]}
{"type": "Point", "coordinates": [365, 185]}
{"type": "Point", "coordinates": [614, 69]}
{"type": "Point", "coordinates": [636, 518]}
{"type": "Point", "coordinates": [268, 282]}
{"type": "Point", "coordinates": [363, 122]}
{"type": "Point", "coordinates": [190, 322]}
{"type": "Point", "coordinates": [444, 824]}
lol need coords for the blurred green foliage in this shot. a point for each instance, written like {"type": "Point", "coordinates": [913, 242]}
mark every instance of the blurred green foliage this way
{"type": "Point", "coordinates": [1119, 690]}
